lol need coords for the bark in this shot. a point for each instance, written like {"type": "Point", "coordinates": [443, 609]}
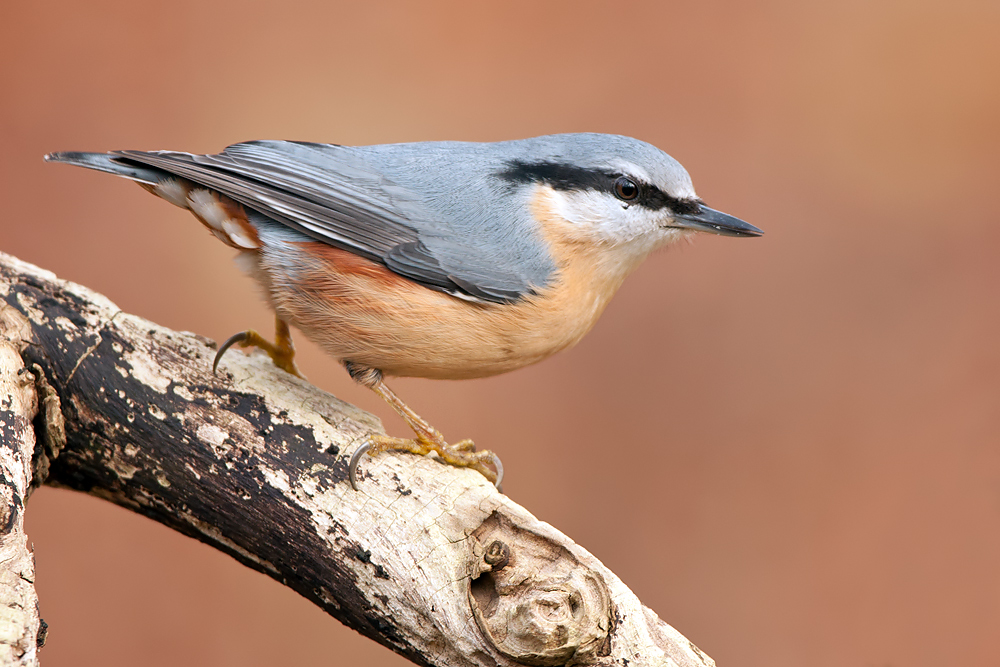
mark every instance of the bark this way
{"type": "Point", "coordinates": [21, 629]}
{"type": "Point", "coordinates": [429, 560]}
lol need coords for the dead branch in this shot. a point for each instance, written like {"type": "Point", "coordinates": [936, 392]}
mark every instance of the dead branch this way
{"type": "Point", "coordinates": [429, 560]}
{"type": "Point", "coordinates": [21, 629]}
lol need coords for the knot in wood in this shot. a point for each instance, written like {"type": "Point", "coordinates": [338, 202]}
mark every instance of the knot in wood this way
{"type": "Point", "coordinates": [497, 555]}
{"type": "Point", "coordinates": [538, 604]}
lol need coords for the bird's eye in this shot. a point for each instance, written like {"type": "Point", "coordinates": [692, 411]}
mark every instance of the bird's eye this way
{"type": "Point", "coordinates": [625, 188]}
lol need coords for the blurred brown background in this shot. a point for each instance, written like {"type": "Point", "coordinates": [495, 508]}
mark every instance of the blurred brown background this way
{"type": "Point", "coordinates": [788, 447]}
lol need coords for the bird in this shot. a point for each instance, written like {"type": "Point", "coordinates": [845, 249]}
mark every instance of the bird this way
{"type": "Point", "coordinates": [440, 259]}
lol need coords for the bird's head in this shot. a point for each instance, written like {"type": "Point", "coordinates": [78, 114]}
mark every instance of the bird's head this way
{"type": "Point", "coordinates": [617, 191]}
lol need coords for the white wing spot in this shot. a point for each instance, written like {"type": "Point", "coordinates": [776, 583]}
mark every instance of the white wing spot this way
{"type": "Point", "coordinates": [237, 234]}
{"type": "Point", "coordinates": [204, 204]}
{"type": "Point", "coordinates": [173, 191]}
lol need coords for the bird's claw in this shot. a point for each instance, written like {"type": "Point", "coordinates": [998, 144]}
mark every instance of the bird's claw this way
{"type": "Point", "coordinates": [352, 467]}
{"type": "Point", "coordinates": [233, 340]}
{"type": "Point", "coordinates": [499, 468]}
{"type": "Point", "coordinates": [365, 447]}
{"type": "Point", "coordinates": [282, 352]}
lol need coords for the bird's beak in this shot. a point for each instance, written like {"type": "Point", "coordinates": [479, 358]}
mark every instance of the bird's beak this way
{"type": "Point", "coordinates": [715, 222]}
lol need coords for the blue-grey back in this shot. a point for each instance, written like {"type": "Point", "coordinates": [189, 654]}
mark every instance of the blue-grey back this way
{"type": "Point", "coordinates": [440, 213]}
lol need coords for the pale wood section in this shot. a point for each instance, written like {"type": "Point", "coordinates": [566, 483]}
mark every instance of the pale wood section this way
{"type": "Point", "coordinates": [427, 559]}
{"type": "Point", "coordinates": [21, 630]}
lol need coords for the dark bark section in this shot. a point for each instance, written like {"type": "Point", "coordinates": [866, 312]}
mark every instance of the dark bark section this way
{"type": "Point", "coordinates": [145, 460]}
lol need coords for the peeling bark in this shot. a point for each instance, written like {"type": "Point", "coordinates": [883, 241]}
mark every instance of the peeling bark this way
{"type": "Point", "coordinates": [429, 560]}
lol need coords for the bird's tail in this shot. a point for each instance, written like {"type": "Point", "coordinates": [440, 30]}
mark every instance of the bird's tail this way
{"type": "Point", "coordinates": [224, 217]}
{"type": "Point", "coordinates": [111, 164]}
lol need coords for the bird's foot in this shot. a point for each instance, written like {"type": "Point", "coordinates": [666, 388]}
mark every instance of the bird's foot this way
{"type": "Point", "coordinates": [462, 454]}
{"type": "Point", "coordinates": [282, 351]}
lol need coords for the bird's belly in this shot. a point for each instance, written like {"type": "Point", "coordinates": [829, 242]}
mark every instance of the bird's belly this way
{"type": "Point", "coordinates": [359, 311]}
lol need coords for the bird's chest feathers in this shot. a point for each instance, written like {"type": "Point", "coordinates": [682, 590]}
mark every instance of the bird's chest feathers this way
{"type": "Point", "coordinates": [591, 263]}
{"type": "Point", "coordinates": [361, 311]}
{"type": "Point", "coordinates": [590, 269]}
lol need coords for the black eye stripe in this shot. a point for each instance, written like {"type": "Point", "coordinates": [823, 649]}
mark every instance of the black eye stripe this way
{"type": "Point", "coordinates": [657, 199]}
{"type": "Point", "coordinates": [562, 176]}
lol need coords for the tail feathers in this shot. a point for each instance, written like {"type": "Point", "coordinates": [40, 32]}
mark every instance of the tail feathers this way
{"type": "Point", "coordinates": [224, 217]}
{"type": "Point", "coordinates": [111, 164]}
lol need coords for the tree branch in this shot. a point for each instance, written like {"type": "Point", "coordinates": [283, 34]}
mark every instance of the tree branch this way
{"type": "Point", "coordinates": [21, 630]}
{"type": "Point", "coordinates": [429, 560]}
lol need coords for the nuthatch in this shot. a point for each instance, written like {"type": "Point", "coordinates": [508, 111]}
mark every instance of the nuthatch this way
{"type": "Point", "coordinates": [436, 260]}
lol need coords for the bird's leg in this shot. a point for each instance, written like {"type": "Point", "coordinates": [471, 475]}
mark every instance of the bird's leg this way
{"type": "Point", "coordinates": [462, 454]}
{"type": "Point", "coordinates": [281, 351]}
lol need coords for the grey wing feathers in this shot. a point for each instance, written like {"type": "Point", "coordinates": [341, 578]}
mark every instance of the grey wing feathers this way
{"type": "Point", "coordinates": [292, 192]}
{"type": "Point", "coordinates": [413, 259]}
{"type": "Point", "coordinates": [333, 195]}
{"type": "Point", "coordinates": [416, 261]}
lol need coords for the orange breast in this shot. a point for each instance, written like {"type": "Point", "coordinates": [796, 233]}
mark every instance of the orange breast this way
{"type": "Point", "coordinates": [357, 310]}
